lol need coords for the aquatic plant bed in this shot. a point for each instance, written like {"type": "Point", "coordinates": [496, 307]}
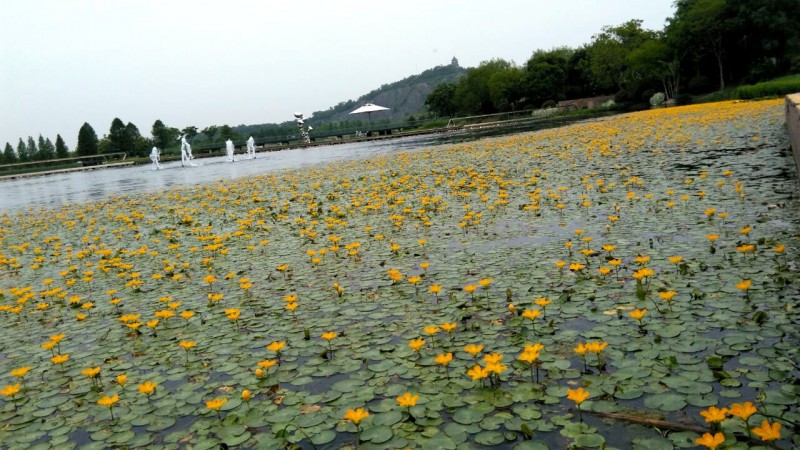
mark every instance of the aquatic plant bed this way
{"type": "Point", "coordinates": [629, 282]}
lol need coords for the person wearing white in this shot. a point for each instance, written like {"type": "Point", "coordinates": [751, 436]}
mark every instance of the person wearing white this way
{"type": "Point", "coordinates": [186, 153]}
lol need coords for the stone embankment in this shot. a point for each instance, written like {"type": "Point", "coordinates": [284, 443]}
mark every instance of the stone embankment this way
{"type": "Point", "coordinates": [793, 125]}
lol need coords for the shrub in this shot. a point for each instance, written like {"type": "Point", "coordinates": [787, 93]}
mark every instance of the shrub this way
{"type": "Point", "coordinates": [657, 99]}
{"type": "Point", "coordinates": [772, 88]}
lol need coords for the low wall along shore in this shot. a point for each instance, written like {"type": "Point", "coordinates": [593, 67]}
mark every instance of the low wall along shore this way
{"type": "Point", "coordinates": [793, 125]}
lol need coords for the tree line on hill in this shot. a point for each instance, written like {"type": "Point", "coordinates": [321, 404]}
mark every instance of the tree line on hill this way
{"type": "Point", "coordinates": [706, 44]}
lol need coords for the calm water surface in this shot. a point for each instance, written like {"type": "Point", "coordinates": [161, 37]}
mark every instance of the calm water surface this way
{"type": "Point", "coordinates": [53, 191]}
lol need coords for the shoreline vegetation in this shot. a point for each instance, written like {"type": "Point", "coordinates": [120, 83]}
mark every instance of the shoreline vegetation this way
{"type": "Point", "coordinates": [586, 286]}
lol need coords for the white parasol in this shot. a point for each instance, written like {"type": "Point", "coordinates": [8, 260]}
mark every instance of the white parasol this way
{"type": "Point", "coordinates": [369, 108]}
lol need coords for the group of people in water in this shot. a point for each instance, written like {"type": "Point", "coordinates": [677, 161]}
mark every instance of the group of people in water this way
{"type": "Point", "coordinates": [187, 157]}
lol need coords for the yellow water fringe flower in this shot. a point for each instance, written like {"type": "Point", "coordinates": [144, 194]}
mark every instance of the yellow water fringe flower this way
{"type": "Point", "coordinates": [416, 344]}
{"type": "Point", "coordinates": [186, 345]}
{"type": "Point", "coordinates": [10, 390]}
{"type": "Point", "coordinates": [667, 295]}
{"type": "Point", "coordinates": [435, 288]}
{"type": "Point", "coordinates": [448, 327]}
{"type": "Point", "coordinates": [407, 400]}
{"type": "Point", "coordinates": [20, 372]}
{"type": "Point", "coordinates": [431, 330]}
{"type": "Point", "coordinates": [767, 431]}
{"type": "Point", "coordinates": [710, 441]}
{"type": "Point", "coordinates": [216, 404]}
{"type": "Point", "coordinates": [147, 388]}
{"type": "Point", "coordinates": [356, 415]}
{"type": "Point", "coordinates": [329, 336]}
{"type": "Point", "coordinates": [578, 395]}
{"type": "Point", "coordinates": [638, 314]}
{"type": "Point", "coordinates": [91, 372]}
{"type": "Point", "coordinates": [473, 349]}
{"type": "Point", "coordinates": [60, 359]}
{"type": "Point", "coordinates": [531, 313]}
{"type": "Point", "coordinates": [742, 410]}
{"type": "Point", "coordinates": [743, 285]}
{"type": "Point", "coordinates": [267, 363]}
{"type": "Point", "coordinates": [477, 372]}
{"type": "Point", "coordinates": [276, 346]}
{"type": "Point", "coordinates": [443, 358]}
{"type": "Point", "coordinates": [675, 259]}
{"type": "Point", "coordinates": [122, 379]}
{"type": "Point", "coordinates": [246, 395]}
{"type": "Point", "coordinates": [714, 414]}
{"type": "Point", "coordinates": [108, 401]}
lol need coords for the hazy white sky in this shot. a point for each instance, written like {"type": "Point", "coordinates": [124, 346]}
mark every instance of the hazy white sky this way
{"type": "Point", "coordinates": [245, 62]}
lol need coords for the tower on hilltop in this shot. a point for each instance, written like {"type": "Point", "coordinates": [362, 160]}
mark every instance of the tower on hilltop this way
{"type": "Point", "coordinates": [454, 62]}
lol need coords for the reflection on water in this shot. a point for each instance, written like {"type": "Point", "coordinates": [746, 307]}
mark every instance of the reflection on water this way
{"type": "Point", "coordinates": [54, 191]}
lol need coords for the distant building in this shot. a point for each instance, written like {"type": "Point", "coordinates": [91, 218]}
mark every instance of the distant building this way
{"type": "Point", "coordinates": [454, 62]}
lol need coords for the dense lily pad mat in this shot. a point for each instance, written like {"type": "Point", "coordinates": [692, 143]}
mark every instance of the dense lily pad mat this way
{"type": "Point", "coordinates": [550, 238]}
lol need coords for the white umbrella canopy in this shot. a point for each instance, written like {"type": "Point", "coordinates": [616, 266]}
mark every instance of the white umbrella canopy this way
{"type": "Point", "coordinates": [369, 108]}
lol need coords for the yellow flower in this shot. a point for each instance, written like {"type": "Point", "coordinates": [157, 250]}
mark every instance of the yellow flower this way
{"type": "Point", "coordinates": [473, 349]}
{"type": "Point", "coordinates": [10, 390]}
{"type": "Point", "coordinates": [416, 344]}
{"type": "Point", "coordinates": [528, 356]}
{"type": "Point", "coordinates": [91, 372]}
{"type": "Point", "coordinates": [615, 262]}
{"type": "Point", "coordinates": [560, 264]}
{"type": "Point", "coordinates": [424, 265]}
{"type": "Point", "coordinates": [641, 259]}
{"type": "Point", "coordinates": [233, 313]}
{"type": "Point", "coordinates": [20, 372]}
{"type": "Point", "coordinates": [780, 248]}
{"type": "Point", "coordinates": [604, 270]}
{"type": "Point", "coordinates": [470, 288]}
{"type": "Point", "coordinates": [186, 345]}
{"type": "Point", "coordinates": [675, 259]}
{"type": "Point", "coordinates": [246, 395]}
{"type": "Point", "coordinates": [714, 414]}
{"type": "Point", "coordinates": [580, 349]}
{"type": "Point", "coordinates": [216, 404]}
{"type": "Point", "coordinates": [577, 395]}
{"type": "Point", "coordinates": [667, 295]}
{"type": "Point", "coordinates": [609, 247]}
{"type": "Point", "coordinates": [435, 288]}
{"type": "Point", "coordinates": [710, 441]}
{"type": "Point", "coordinates": [356, 415]}
{"type": "Point", "coordinates": [329, 336]}
{"type": "Point", "coordinates": [210, 279]}
{"type": "Point", "coordinates": [443, 358]}
{"type": "Point", "coordinates": [492, 358]}
{"type": "Point", "coordinates": [267, 363]}
{"type": "Point", "coordinates": [485, 282]}
{"type": "Point", "coordinates": [576, 267]}
{"type": "Point", "coordinates": [187, 314]}
{"type": "Point", "coordinates": [291, 298]}
{"type": "Point", "coordinates": [407, 400]}
{"type": "Point", "coordinates": [414, 279]}
{"type": "Point", "coordinates": [291, 306]}
{"type": "Point", "coordinates": [768, 432]}
{"type": "Point", "coordinates": [448, 327]}
{"type": "Point", "coordinates": [596, 346]}
{"type": "Point", "coordinates": [108, 401]}
{"type": "Point", "coordinates": [477, 372]}
{"type": "Point", "coordinates": [56, 338]}
{"type": "Point", "coordinates": [147, 388]}
{"type": "Point", "coordinates": [543, 302]}
{"type": "Point", "coordinates": [122, 379]}
{"type": "Point", "coordinates": [638, 314]}
{"type": "Point", "coordinates": [152, 324]}
{"type": "Point", "coordinates": [80, 316]}
{"type": "Point", "coordinates": [743, 285]}
{"type": "Point", "coordinates": [531, 313]}
{"type": "Point", "coordinates": [276, 346]}
{"type": "Point", "coordinates": [712, 237]}
{"type": "Point", "coordinates": [742, 410]}
{"type": "Point", "coordinates": [431, 330]}
{"type": "Point", "coordinates": [60, 359]}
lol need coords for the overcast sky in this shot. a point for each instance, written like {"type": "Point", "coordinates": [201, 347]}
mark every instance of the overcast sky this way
{"type": "Point", "coordinates": [247, 62]}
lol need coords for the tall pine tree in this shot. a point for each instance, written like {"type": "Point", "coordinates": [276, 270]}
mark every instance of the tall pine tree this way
{"type": "Point", "coordinates": [9, 157]}
{"type": "Point", "coordinates": [87, 141]}
{"type": "Point", "coordinates": [22, 151]}
{"type": "Point", "coordinates": [62, 151]}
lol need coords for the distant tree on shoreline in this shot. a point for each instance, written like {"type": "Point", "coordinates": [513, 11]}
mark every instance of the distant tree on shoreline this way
{"type": "Point", "coordinates": [87, 141]}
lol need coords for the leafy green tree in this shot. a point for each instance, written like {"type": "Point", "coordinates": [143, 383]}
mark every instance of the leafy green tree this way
{"type": "Point", "coordinates": [22, 151]}
{"type": "Point", "coordinates": [226, 132]}
{"type": "Point", "coordinates": [546, 75]}
{"type": "Point", "coordinates": [163, 136]}
{"type": "Point", "coordinates": [87, 141]}
{"type": "Point", "coordinates": [702, 25]}
{"type": "Point", "coordinates": [62, 151]}
{"type": "Point", "coordinates": [210, 132]}
{"type": "Point", "coordinates": [46, 149]}
{"type": "Point", "coordinates": [116, 138]}
{"type": "Point", "coordinates": [9, 157]}
{"type": "Point", "coordinates": [609, 55]}
{"type": "Point", "coordinates": [506, 89]}
{"type": "Point", "coordinates": [441, 101]}
{"type": "Point", "coordinates": [33, 151]}
{"type": "Point", "coordinates": [190, 132]}
{"type": "Point", "coordinates": [473, 95]}
{"type": "Point", "coordinates": [579, 82]}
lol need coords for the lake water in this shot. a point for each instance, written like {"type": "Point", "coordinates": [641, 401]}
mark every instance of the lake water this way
{"type": "Point", "coordinates": [53, 191]}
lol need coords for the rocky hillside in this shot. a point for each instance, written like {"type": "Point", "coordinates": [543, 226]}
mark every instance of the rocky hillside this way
{"type": "Point", "coordinates": [403, 98]}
